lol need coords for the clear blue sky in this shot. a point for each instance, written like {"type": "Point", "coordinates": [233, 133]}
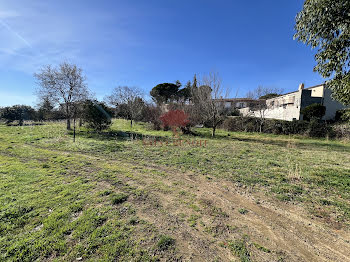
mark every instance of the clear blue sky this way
{"type": "Point", "coordinates": [146, 42]}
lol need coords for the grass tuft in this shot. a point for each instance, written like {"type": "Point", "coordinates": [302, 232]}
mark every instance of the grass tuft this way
{"type": "Point", "coordinates": [119, 198]}
{"type": "Point", "coordinates": [239, 248]}
{"type": "Point", "coordinates": [165, 242]}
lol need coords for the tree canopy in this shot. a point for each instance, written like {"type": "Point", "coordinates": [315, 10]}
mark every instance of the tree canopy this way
{"type": "Point", "coordinates": [18, 113]}
{"type": "Point", "coordinates": [128, 102]}
{"type": "Point", "coordinates": [165, 92]}
{"type": "Point", "coordinates": [268, 96]}
{"type": "Point", "coordinates": [325, 26]}
{"type": "Point", "coordinates": [185, 93]}
{"type": "Point", "coordinates": [64, 85]}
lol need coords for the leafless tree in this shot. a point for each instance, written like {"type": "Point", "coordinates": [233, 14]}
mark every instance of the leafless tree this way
{"type": "Point", "coordinates": [64, 85]}
{"type": "Point", "coordinates": [206, 107]}
{"type": "Point", "coordinates": [259, 108]}
{"type": "Point", "coordinates": [130, 97]}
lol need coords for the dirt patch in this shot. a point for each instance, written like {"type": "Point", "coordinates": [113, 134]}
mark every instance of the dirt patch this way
{"type": "Point", "coordinates": [202, 215]}
{"type": "Point", "coordinates": [285, 229]}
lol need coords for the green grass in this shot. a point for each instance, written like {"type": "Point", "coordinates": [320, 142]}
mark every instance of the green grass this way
{"type": "Point", "coordinates": [61, 200]}
{"type": "Point", "coordinates": [119, 198]}
{"type": "Point", "coordinates": [165, 242]}
{"type": "Point", "coordinates": [239, 248]}
{"type": "Point", "coordinates": [264, 249]}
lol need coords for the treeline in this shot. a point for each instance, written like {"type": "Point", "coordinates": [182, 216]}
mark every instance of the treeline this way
{"type": "Point", "coordinates": [17, 114]}
{"type": "Point", "coordinates": [63, 94]}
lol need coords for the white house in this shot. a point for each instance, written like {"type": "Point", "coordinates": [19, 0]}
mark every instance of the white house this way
{"type": "Point", "coordinates": [288, 106]}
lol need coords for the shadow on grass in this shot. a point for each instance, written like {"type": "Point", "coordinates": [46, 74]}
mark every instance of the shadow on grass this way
{"type": "Point", "coordinates": [115, 135]}
{"type": "Point", "coordinates": [301, 143]}
{"type": "Point", "coordinates": [14, 124]}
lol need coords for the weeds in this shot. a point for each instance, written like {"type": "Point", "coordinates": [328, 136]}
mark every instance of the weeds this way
{"type": "Point", "coordinates": [239, 248]}
{"type": "Point", "coordinates": [165, 242]}
{"type": "Point", "coordinates": [243, 211]}
{"type": "Point", "coordinates": [119, 198]}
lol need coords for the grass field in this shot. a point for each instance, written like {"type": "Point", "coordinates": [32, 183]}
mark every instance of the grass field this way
{"type": "Point", "coordinates": [241, 197]}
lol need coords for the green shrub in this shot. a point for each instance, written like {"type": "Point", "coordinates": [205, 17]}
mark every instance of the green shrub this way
{"type": "Point", "coordinates": [342, 115]}
{"type": "Point", "coordinates": [313, 111]}
{"type": "Point", "coordinates": [241, 124]}
{"type": "Point", "coordinates": [317, 129]}
{"type": "Point", "coordinates": [97, 115]}
{"type": "Point", "coordinates": [239, 248]}
{"type": "Point", "coordinates": [313, 128]}
{"type": "Point", "coordinates": [17, 113]}
{"type": "Point", "coordinates": [165, 242]}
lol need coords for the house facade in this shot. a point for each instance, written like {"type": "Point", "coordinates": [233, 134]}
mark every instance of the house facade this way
{"type": "Point", "coordinates": [237, 103]}
{"type": "Point", "coordinates": [288, 106]}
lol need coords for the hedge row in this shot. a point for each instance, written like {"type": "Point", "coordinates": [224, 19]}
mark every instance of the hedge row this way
{"type": "Point", "coordinates": [280, 127]}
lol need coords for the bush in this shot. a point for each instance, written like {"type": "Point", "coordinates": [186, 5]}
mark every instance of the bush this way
{"type": "Point", "coordinates": [342, 115]}
{"type": "Point", "coordinates": [165, 242]}
{"type": "Point", "coordinates": [313, 111]}
{"type": "Point", "coordinates": [317, 129]}
{"type": "Point", "coordinates": [152, 115]}
{"type": "Point", "coordinates": [232, 112]}
{"type": "Point", "coordinates": [18, 113]}
{"type": "Point", "coordinates": [97, 115]}
{"type": "Point", "coordinates": [342, 131]}
{"type": "Point", "coordinates": [279, 127]}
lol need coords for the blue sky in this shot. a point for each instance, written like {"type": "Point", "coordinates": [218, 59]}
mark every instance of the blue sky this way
{"type": "Point", "coordinates": [144, 43]}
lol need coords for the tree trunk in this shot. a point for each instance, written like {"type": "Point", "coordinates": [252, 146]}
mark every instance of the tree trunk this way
{"type": "Point", "coordinates": [74, 131]}
{"type": "Point", "coordinates": [68, 124]}
{"type": "Point", "coordinates": [213, 132]}
{"type": "Point", "coordinates": [68, 116]}
{"type": "Point", "coordinates": [131, 123]}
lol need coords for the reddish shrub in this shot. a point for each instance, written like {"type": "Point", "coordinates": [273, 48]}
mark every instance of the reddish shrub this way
{"type": "Point", "coordinates": [174, 119]}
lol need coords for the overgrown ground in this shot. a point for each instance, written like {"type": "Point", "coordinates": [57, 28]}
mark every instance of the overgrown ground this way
{"type": "Point", "coordinates": [242, 197]}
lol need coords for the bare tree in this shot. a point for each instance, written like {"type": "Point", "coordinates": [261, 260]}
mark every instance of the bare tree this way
{"type": "Point", "coordinates": [259, 108]}
{"type": "Point", "coordinates": [130, 98]}
{"type": "Point", "coordinates": [206, 107]}
{"type": "Point", "coordinates": [64, 85]}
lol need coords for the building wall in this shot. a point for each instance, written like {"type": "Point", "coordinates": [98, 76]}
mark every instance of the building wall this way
{"type": "Point", "coordinates": [331, 105]}
{"type": "Point", "coordinates": [307, 98]}
{"type": "Point", "coordinates": [317, 91]}
{"type": "Point", "coordinates": [237, 103]}
{"type": "Point", "coordinates": [287, 107]}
